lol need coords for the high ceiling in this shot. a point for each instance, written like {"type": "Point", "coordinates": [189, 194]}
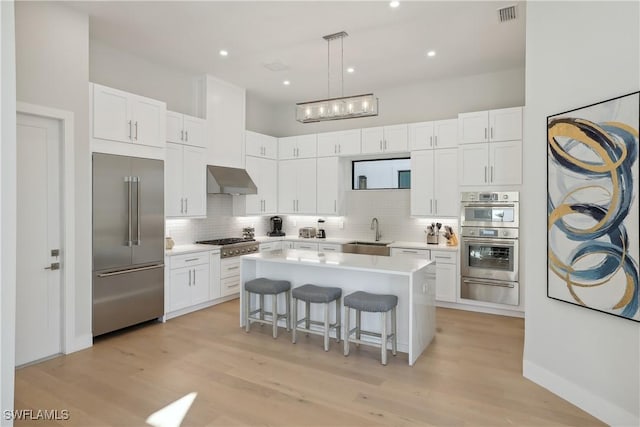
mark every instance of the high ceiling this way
{"type": "Point", "coordinates": [386, 46]}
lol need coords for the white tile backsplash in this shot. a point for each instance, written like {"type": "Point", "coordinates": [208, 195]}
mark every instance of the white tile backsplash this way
{"type": "Point", "coordinates": [391, 207]}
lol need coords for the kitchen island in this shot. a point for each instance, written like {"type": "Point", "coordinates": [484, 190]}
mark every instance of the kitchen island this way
{"type": "Point", "coordinates": [411, 279]}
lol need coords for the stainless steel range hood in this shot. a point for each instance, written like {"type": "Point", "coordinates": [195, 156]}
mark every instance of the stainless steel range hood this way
{"type": "Point", "coordinates": [224, 180]}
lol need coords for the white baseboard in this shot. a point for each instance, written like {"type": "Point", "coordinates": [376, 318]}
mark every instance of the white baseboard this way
{"type": "Point", "coordinates": [602, 409]}
{"type": "Point", "coordinates": [480, 309]}
{"type": "Point", "coordinates": [80, 343]}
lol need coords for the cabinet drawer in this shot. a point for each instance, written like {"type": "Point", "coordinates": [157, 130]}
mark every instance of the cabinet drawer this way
{"type": "Point", "coordinates": [272, 246]}
{"type": "Point", "coordinates": [421, 253]}
{"type": "Point", "coordinates": [444, 257]}
{"type": "Point", "coordinates": [188, 260]}
{"type": "Point", "coordinates": [229, 267]}
{"type": "Point", "coordinates": [329, 248]}
{"type": "Point", "coordinates": [306, 246]}
{"type": "Point", "coordinates": [230, 285]}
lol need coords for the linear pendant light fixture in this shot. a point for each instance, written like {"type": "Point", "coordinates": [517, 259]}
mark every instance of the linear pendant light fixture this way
{"type": "Point", "coordinates": [343, 107]}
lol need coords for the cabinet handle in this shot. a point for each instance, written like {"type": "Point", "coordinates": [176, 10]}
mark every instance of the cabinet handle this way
{"type": "Point", "coordinates": [339, 148]}
{"type": "Point", "coordinates": [441, 257]}
{"type": "Point", "coordinates": [233, 268]}
{"type": "Point", "coordinates": [436, 205]}
{"type": "Point", "coordinates": [491, 132]}
{"type": "Point", "coordinates": [436, 140]}
{"type": "Point", "coordinates": [335, 149]}
{"type": "Point", "coordinates": [491, 173]}
{"type": "Point", "coordinates": [181, 205]}
{"type": "Point", "coordinates": [485, 133]}
{"type": "Point", "coordinates": [431, 141]}
{"type": "Point", "coordinates": [430, 205]}
{"type": "Point", "coordinates": [136, 137]}
{"type": "Point", "coordinates": [380, 145]}
{"type": "Point", "coordinates": [297, 205]}
{"type": "Point", "coordinates": [335, 206]}
{"type": "Point", "coordinates": [385, 144]}
{"type": "Point", "coordinates": [129, 122]}
{"type": "Point", "coordinates": [189, 277]}
{"type": "Point", "coordinates": [406, 251]}
{"type": "Point", "coordinates": [194, 277]}
{"type": "Point", "coordinates": [294, 205]}
{"type": "Point", "coordinates": [182, 135]}
{"type": "Point", "coordinates": [191, 259]}
{"type": "Point", "coordinates": [186, 205]}
{"type": "Point", "coordinates": [186, 135]}
{"type": "Point", "coordinates": [485, 174]}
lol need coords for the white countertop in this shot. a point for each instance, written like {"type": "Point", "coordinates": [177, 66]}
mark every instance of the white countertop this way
{"type": "Point", "coordinates": [341, 240]}
{"type": "Point", "coordinates": [185, 249]}
{"type": "Point", "coordinates": [369, 263]}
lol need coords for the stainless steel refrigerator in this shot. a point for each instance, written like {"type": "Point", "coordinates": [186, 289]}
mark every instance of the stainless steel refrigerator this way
{"type": "Point", "coordinates": [128, 241]}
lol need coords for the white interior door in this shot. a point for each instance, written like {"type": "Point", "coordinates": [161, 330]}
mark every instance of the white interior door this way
{"type": "Point", "coordinates": [38, 296]}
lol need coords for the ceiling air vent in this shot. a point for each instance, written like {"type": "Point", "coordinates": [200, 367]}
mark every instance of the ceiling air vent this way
{"type": "Point", "coordinates": [507, 13]}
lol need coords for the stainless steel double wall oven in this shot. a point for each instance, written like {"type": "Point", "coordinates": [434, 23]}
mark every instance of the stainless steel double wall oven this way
{"type": "Point", "coordinates": [489, 247]}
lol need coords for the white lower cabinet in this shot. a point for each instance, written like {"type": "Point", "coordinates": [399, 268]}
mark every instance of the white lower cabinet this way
{"type": "Point", "coordinates": [446, 275]}
{"type": "Point", "coordinates": [270, 246]}
{"type": "Point", "coordinates": [188, 280]}
{"type": "Point", "coordinates": [329, 247]}
{"type": "Point", "coordinates": [214, 275]}
{"type": "Point", "coordinates": [229, 276]}
{"type": "Point", "coordinates": [446, 269]}
{"type": "Point", "coordinates": [307, 246]}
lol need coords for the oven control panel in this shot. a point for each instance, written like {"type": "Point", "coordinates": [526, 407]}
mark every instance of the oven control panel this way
{"type": "Point", "coordinates": [490, 233]}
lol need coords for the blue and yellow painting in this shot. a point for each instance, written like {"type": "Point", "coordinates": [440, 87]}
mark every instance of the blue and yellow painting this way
{"type": "Point", "coordinates": [592, 200]}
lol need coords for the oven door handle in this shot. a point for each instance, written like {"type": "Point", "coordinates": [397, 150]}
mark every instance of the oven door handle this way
{"type": "Point", "coordinates": [489, 283]}
{"type": "Point", "coordinates": [508, 243]}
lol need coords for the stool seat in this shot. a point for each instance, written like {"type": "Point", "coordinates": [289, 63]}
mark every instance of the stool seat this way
{"type": "Point", "coordinates": [365, 301]}
{"type": "Point", "coordinates": [316, 294]}
{"type": "Point", "coordinates": [263, 286]}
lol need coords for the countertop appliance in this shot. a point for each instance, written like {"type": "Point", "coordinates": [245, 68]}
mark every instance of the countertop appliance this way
{"type": "Point", "coordinates": [276, 227]}
{"type": "Point", "coordinates": [321, 233]}
{"type": "Point", "coordinates": [489, 252]}
{"type": "Point", "coordinates": [234, 246]}
{"type": "Point", "coordinates": [128, 241]}
{"type": "Point", "coordinates": [307, 232]}
{"type": "Point", "coordinates": [248, 232]}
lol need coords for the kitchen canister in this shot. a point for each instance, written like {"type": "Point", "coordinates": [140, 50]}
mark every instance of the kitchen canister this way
{"type": "Point", "coordinates": [169, 243]}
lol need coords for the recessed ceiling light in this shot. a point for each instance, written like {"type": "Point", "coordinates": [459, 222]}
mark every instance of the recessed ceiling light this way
{"type": "Point", "coordinates": [286, 82]}
{"type": "Point", "coordinates": [394, 4]}
{"type": "Point", "coordinates": [350, 70]}
{"type": "Point", "coordinates": [431, 53]}
{"type": "Point", "coordinates": [223, 52]}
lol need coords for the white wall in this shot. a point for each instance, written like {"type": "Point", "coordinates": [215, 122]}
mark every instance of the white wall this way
{"type": "Point", "coordinates": [52, 66]}
{"type": "Point", "coordinates": [578, 53]}
{"type": "Point", "coordinates": [430, 100]}
{"type": "Point", "coordinates": [7, 208]}
{"type": "Point", "coordinates": [261, 116]}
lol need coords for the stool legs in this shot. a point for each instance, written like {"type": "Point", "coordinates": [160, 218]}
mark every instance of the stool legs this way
{"type": "Point", "coordinates": [247, 306]}
{"type": "Point", "coordinates": [275, 316]}
{"type": "Point", "coordinates": [326, 327]}
{"type": "Point", "coordinates": [383, 339]}
{"type": "Point", "coordinates": [294, 314]}
{"type": "Point", "coordinates": [358, 322]}
{"type": "Point", "coordinates": [346, 330]}
{"type": "Point", "coordinates": [338, 324]}
{"type": "Point", "coordinates": [261, 307]}
{"type": "Point", "coordinates": [394, 331]}
{"type": "Point", "coordinates": [307, 316]}
{"type": "Point", "coordinates": [288, 305]}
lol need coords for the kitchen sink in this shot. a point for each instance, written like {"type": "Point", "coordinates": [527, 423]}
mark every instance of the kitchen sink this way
{"type": "Point", "coordinates": [367, 248]}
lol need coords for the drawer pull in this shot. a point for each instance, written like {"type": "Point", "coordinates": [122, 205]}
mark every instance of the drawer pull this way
{"type": "Point", "coordinates": [233, 268]}
{"type": "Point", "coordinates": [409, 252]}
{"type": "Point", "coordinates": [191, 259]}
{"type": "Point", "coordinates": [442, 257]}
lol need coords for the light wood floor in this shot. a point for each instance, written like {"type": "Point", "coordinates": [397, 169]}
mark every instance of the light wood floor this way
{"type": "Point", "coordinates": [470, 376]}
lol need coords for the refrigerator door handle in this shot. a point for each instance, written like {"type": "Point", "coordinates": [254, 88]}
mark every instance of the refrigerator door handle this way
{"type": "Point", "coordinates": [128, 180]}
{"type": "Point", "coordinates": [138, 179]}
{"type": "Point", "coordinates": [130, 270]}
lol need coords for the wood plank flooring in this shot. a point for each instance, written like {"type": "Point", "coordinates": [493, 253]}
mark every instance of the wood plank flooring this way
{"type": "Point", "coordinates": [471, 375]}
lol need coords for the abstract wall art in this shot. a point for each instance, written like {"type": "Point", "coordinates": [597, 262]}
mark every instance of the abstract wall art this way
{"type": "Point", "coordinates": [592, 204]}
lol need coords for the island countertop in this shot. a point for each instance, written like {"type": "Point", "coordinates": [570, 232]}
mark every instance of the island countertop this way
{"type": "Point", "coordinates": [403, 266]}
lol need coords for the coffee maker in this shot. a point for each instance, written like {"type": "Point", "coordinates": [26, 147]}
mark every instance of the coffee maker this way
{"type": "Point", "coordinates": [321, 233]}
{"type": "Point", "coordinates": [276, 227]}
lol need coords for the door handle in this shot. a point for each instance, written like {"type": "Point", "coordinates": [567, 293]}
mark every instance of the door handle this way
{"type": "Point", "coordinates": [136, 137]}
{"type": "Point", "coordinates": [53, 266]}
{"type": "Point", "coordinates": [182, 135]}
{"type": "Point", "coordinates": [194, 277]}
{"type": "Point", "coordinates": [128, 180]}
{"type": "Point", "coordinates": [436, 205]}
{"type": "Point", "coordinates": [436, 140]}
{"type": "Point", "coordinates": [181, 205]}
{"type": "Point", "coordinates": [131, 270]}
{"type": "Point", "coordinates": [129, 122]}
{"type": "Point", "coordinates": [190, 277]}
{"type": "Point", "coordinates": [138, 208]}
{"type": "Point", "coordinates": [485, 174]}
{"type": "Point", "coordinates": [491, 132]}
{"type": "Point", "coordinates": [430, 205]}
{"type": "Point", "coordinates": [491, 173]}
{"type": "Point", "coordinates": [339, 148]}
{"type": "Point", "coordinates": [431, 141]}
{"type": "Point", "coordinates": [186, 135]}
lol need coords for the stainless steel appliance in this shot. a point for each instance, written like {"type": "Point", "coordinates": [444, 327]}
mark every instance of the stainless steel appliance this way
{"type": "Point", "coordinates": [224, 180]}
{"type": "Point", "coordinates": [489, 247]}
{"type": "Point", "coordinates": [276, 227]}
{"type": "Point", "coordinates": [128, 241]}
{"type": "Point", "coordinates": [234, 246]}
{"type": "Point", "coordinates": [307, 232]}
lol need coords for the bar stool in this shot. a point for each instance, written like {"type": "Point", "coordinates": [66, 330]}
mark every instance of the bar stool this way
{"type": "Point", "coordinates": [372, 303]}
{"type": "Point", "coordinates": [263, 286]}
{"type": "Point", "coordinates": [317, 295]}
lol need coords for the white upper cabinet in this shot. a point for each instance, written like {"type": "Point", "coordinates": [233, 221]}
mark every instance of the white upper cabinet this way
{"type": "Point", "coordinates": [489, 126]}
{"type": "Point", "coordinates": [223, 104]}
{"type": "Point", "coordinates": [264, 173]}
{"type": "Point", "coordinates": [297, 186]}
{"type": "Point", "coordinates": [330, 186]}
{"type": "Point", "coordinates": [342, 143]}
{"type": "Point", "coordinates": [259, 145]}
{"type": "Point", "coordinates": [183, 129]}
{"type": "Point", "coordinates": [429, 135]}
{"type": "Point", "coordinates": [185, 181]}
{"type": "Point", "coordinates": [434, 183]}
{"type": "Point", "coordinates": [297, 147]}
{"type": "Point", "coordinates": [387, 139]}
{"type": "Point", "coordinates": [496, 163]}
{"type": "Point", "coordinates": [124, 117]}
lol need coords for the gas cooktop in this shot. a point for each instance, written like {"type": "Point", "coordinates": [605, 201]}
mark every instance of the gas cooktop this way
{"type": "Point", "coordinates": [227, 241]}
{"type": "Point", "coordinates": [234, 246]}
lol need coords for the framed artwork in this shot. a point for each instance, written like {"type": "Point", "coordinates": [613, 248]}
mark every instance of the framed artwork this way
{"type": "Point", "coordinates": [592, 205]}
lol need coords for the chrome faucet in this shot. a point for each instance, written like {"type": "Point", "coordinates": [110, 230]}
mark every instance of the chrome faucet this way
{"type": "Point", "coordinates": [374, 223]}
